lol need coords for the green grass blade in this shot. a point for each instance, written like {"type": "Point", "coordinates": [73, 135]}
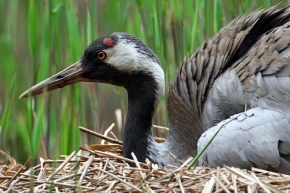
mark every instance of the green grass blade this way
{"type": "Point", "coordinates": [209, 142]}
{"type": "Point", "coordinates": [32, 28]}
{"type": "Point", "coordinates": [38, 128]}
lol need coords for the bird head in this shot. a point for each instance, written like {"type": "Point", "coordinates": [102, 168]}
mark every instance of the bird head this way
{"type": "Point", "coordinates": [119, 59]}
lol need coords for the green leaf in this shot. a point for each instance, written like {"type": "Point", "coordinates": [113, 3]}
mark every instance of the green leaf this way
{"type": "Point", "coordinates": [32, 28]}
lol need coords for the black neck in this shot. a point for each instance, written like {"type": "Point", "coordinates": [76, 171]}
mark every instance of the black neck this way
{"type": "Point", "coordinates": [142, 101]}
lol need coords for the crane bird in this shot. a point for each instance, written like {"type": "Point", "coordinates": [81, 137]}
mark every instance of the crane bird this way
{"type": "Point", "coordinates": [245, 63]}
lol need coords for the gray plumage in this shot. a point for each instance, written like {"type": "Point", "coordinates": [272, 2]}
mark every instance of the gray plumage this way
{"type": "Point", "coordinates": [211, 86]}
{"type": "Point", "coordinates": [257, 138]}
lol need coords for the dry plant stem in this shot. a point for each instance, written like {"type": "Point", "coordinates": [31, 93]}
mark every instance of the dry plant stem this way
{"type": "Point", "coordinates": [218, 172]}
{"type": "Point", "coordinates": [159, 139]}
{"type": "Point", "coordinates": [110, 187]}
{"type": "Point", "coordinates": [209, 185]}
{"type": "Point", "coordinates": [178, 160]}
{"type": "Point", "coordinates": [12, 185]}
{"type": "Point", "coordinates": [177, 176]}
{"type": "Point", "coordinates": [114, 135]}
{"type": "Point", "coordinates": [260, 183]}
{"type": "Point", "coordinates": [5, 177]}
{"type": "Point", "coordinates": [160, 127]}
{"type": "Point", "coordinates": [221, 184]}
{"type": "Point", "coordinates": [74, 175]}
{"type": "Point", "coordinates": [249, 177]}
{"type": "Point", "coordinates": [117, 157]}
{"type": "Point", "coordinates": [42, 172]}
{"type": "Point", "coordinates": [60, 161]}
{"type": "Point", "coordinates": [268, 172]}
{"type": "Point", "coordinates": [18, 172]}
{"type": "Point", "coordinates": [87, 165]}
{"type": "Point", "coordinates": [64, 184]}
{"type": "Point", "coordinates": [138, 165]}
{"type": "Point", "coordinates": [85, 130]}
{"type": "Point", "coordinates": [62, 165]}
{"type": "Point", "coordinates": [107, 132]}
{"type": "Point", "coordinates": [120, 180]}
{"type": "Point", "coordinates": [180, 168]}
{"type": "Point", "coordinates": [67, 177]}
{"type": "Point", "coordinates": [86, 149]}
{"type": "Point", "coordinates": [234, 177]}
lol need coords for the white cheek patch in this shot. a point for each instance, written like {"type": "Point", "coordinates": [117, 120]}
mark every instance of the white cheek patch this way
{"type": "Point", "coordinates": [125, 57]}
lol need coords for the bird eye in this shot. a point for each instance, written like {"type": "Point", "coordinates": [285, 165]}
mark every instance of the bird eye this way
{"type": "Point", "coordinates": [101, 55]}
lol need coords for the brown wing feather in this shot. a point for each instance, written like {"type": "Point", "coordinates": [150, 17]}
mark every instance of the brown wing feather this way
{"type": "Point", "coordinates": [264, 71]}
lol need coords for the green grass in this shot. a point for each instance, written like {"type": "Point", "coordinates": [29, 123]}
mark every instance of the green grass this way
{"type": "Point", "coordinates": [39, 38]}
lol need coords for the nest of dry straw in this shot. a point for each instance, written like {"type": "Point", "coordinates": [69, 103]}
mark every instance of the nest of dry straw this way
{"type": "Point", "coordinates": [102, 168]}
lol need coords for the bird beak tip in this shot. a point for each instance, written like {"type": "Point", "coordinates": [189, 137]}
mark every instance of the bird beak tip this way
{"type": "Point", "coordinates": [23, 95]}
{"type": "Point", "coordinates": [66, 77]}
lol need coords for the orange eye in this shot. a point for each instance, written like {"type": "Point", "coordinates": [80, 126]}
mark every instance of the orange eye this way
{"type": "Point", "coordinates": [101, 55]}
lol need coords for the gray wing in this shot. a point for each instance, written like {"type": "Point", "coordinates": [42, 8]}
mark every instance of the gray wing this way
{"type": "Point", "coordinates": [259, 78]}
{"type": "Point", "coordinates": [257, 138]}
{"type": "Point", "coordinates": [228, 71]}
{"type": "Point", "coordinates": [242, 53]}
{"type": "Point", "coordinates": [264, 71]}
{"type": "Point", "coordinates": [187, 93]}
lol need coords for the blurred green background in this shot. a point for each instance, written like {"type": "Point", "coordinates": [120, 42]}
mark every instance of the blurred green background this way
{"type": "Point", "coordinates": [41, 37]}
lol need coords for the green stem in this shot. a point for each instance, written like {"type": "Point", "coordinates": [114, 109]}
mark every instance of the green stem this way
{"type": "Point", "coordinates": [208, 143]}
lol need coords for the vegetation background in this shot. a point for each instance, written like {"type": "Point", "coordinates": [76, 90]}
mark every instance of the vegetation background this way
{"type": "Point", "coordinates": [41, 37]}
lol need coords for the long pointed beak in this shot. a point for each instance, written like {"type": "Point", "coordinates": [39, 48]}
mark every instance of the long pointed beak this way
{"type": "Point", "coordinates": [66, 77]}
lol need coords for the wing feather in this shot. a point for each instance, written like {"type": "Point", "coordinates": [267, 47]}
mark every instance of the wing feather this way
{"type": "Point", "coordinates": [257, 140]}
